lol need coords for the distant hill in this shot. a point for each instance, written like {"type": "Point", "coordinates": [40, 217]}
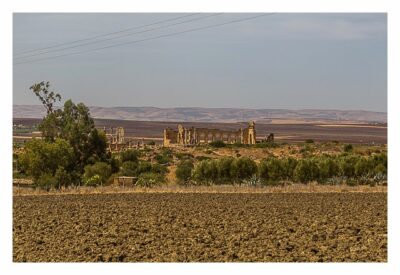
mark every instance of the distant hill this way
{"type": "Point", "coordinates": [218, 114]}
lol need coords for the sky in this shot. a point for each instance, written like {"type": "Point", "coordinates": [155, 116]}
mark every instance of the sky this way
{"type": "Point", "coordinates": [275, 61]}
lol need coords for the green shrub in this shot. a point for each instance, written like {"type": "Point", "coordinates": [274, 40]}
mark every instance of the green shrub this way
{"type": "Point", "coordinates": [309, 141]}
{"type": "Point", "coordinates": [306, 171]}
{"type": "Point", "coordinates": [217, 144]}
{"type": "Point", "coordinates": [363, 167]}
{"type": "Point", "coordinates": [328, 168]}
{"type": "Point", "coordinates": [289, 165]}
{"type": "Point", "coordinates": [348, 148]}
{"type": "Point", "coordinates": [143, 167]}
{"type": "Point", "coordinates": [62, 177]}
{"type": "Point", "coordinates": [271, 169]}
{"type": "Point", "coordinates": [130, 155]}
{"type": "Point", "coordinates": [93, 181]}
{"type": "Point", "coordinates": [224, 166]}
{"type": "Point", "coordinates": [43, 157]}
{"type": "Point", "coordinates": [380, 169]}
{"type": "Point", "coordinates": [163, 158]}
{"type": "Point", "coordinates": [183, 156]}
{"type": "Point", "coordinates": [243, 168]}
{"type": "Point", "coordinates": [206, 171]}
{"type": "Point", "coordinates": [266, 145]}
{"type": "Point", "coordinates": [46, 181]}
{"type": "Point", "coordinates": [101, 169]}
{"type": "Point", "coordinates": [201, 158]}
{"type": "Point", "coordinates": [149, 179]}
{"type": "Point", "coordinates": [159, 169]}
{"type": "Point", "coordinates": [183, 171]}
{"type": "Point", "coordinates": [129, 169]}
{"type": "Point", "coordinates": [347, 165]}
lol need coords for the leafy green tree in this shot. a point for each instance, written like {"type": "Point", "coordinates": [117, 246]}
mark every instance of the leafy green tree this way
{"type": "Point", "coordinates": [72, 123]}
{"type": "Point", "coordinates": [47, 97]}
{"type": "Point", "coordinates": [101, 169]}
{"type": "Point", "coordinates": [78, 128]}
{"type": "Point", "coordinates": [42, 157]}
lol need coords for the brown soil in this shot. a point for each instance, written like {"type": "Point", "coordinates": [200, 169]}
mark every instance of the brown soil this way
{"type": "Point", "coordinates": [166, 227]}
{"type": "Point", "coordinates": [291, 133]}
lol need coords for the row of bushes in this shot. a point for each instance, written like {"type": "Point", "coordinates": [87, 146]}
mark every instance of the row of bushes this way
{"type": "Point", "coordinates": [324, 169]}
{"type": "Point", "coordinates": [98, 173]}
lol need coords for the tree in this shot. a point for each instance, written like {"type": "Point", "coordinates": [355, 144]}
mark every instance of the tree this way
{"type": "Point", "coordinates": [74, 124]}
{"type": "Point", "coordinates": [43, 157]}
{"type": "Point", "coordinates": [47, 97]}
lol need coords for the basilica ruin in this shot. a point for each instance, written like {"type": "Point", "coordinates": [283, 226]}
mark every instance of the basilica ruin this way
{"type": "Point", "coordinates": [194, 136]}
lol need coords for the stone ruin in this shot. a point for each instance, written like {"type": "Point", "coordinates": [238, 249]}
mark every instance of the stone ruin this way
{"type": "Point", "coordinates": [194, 136]}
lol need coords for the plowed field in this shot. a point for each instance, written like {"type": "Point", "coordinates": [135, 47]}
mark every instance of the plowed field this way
{"type": "Point", "coordinates": [165, 227]}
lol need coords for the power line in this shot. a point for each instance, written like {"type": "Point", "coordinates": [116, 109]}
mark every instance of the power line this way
{"type": "Point", "coordinates": [106, 34]}
{"type": "Point", "coordinates": [116, 37]}
{"type": "Point", "coordinates": [146, 39]}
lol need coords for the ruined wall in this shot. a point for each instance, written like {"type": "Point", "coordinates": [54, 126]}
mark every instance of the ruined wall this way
{"type": "Point", "coordinates": [193, 136]}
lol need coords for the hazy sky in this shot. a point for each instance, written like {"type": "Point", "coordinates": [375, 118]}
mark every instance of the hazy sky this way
{"type": "Point", "coordinates": [290, 60]}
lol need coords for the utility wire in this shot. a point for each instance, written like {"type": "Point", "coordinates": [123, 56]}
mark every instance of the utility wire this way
{"type": "Point", "coordinates": [106, 34]}
{"type": "Point", "coordinates": [147, 39]}
{"type": "Point", "coordinates": [116, 37]}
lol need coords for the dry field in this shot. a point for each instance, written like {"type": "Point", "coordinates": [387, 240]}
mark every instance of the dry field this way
{"type": "Point", "coordinates": [201, 227]}
{"type": "Point", "coordinates": [284, 132]}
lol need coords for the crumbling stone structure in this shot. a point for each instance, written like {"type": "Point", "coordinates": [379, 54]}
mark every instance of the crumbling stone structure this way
{"type": "Point", "coordinates": [195, 136]}
{"type": "Point", "coordinates": [116, 138]}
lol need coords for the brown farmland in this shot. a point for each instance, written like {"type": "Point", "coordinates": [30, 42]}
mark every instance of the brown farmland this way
{"type": "Point", "coordinates": [296, 132]}
{"type": "Point", "coordinates": [202, 227]}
